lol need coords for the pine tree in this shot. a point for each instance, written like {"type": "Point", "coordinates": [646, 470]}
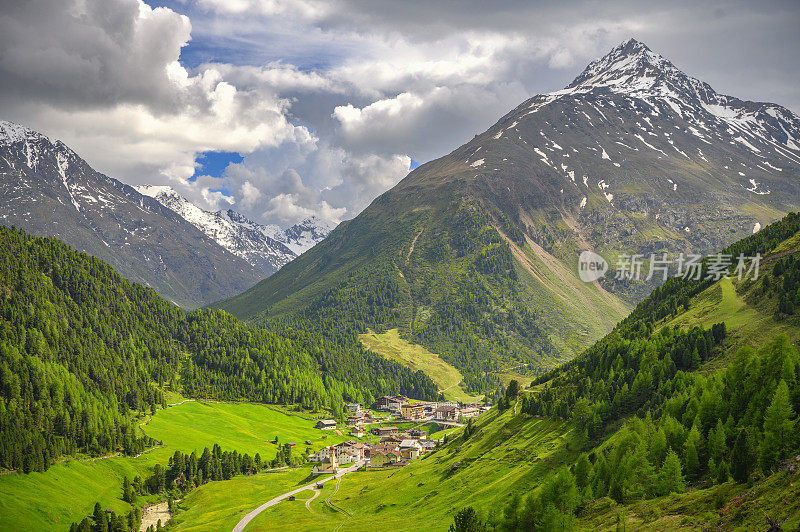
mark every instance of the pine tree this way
{"type": "Point", "coordinates": [691, 452]}
{"type": "Point", "coordinates": [670, 478]}
{"type": "Point", "coordinates": [742, 458]}
{"type": "Point", "coordinates": [778, 428]}
{"type": "Point", "coordinates": [658, 447]}
{"type": "Point", "coordinates": [127, 491]}
{"type": "Point", "coordinates": [99, 516]}
{"type": "Point", "coordinates": [716, 442]}
{"type": "Point", "coordinates": [582, 470]}
{"type": "Point", "coordinates": [511, 512]}
{"type": "Point", "coordinates": [512, 391]}
{"type": "Point", "coordinates": [467, 520]}
{"type": "Point", "coordinates": [722, 472]}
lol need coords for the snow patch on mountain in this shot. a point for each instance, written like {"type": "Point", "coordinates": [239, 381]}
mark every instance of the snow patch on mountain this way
{"type": "Point", "coordinates": [267, 247]}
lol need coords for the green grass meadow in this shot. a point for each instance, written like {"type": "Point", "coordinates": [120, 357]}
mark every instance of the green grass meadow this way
{"type": "Point", "coordinates": [220, 505]}
{"type": "Point", "coordinates": [68, 491]}
{"type": "Point", "coordinates": [392, 346]}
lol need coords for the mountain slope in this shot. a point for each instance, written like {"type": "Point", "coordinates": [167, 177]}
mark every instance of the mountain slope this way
{"type": "Point", "coordinates": [474, 255]}
{"type": "Point", "coordinates": [49, 190]}
{"type": "Point", "coordinates": [591, 438]}
{"type": "Point", "coordinates": [82, 350]}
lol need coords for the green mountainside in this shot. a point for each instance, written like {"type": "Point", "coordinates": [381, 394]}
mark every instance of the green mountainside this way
{"type": "Point", "coordinates": [438, 266]}
{"type": "Point", "coordinates": [684, 416]}
{"type": "Point", "coordinates": [474, 255]}
{"type": "Point", "coordinates": [82, 349]}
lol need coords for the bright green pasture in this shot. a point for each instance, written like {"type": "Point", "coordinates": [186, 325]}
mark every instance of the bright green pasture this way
{"type": "Point", "coordinates": [68, 491]}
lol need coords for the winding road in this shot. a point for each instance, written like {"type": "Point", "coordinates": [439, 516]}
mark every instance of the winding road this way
{"type": "Point", "coordinates": [272, 502]}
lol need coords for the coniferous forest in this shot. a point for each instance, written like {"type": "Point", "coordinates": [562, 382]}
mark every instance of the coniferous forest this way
{"type": "Point", "coordinates": [82, 349]}
{"type": "Point", "coordinates": [652, 424]}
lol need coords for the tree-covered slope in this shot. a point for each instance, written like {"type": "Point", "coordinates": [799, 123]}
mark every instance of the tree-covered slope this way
{"type": "Point", "coordinates": [699, 385]}
{"type": "Point", "coordinates": [474, 255]}
{"type": "Point", "coordinates": [81, 348]}
{"type": "Point", "coordinates": [686, 415]}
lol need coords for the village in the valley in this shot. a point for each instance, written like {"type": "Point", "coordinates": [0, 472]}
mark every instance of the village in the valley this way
{"type": "Point", "coordinates": [395, 446]}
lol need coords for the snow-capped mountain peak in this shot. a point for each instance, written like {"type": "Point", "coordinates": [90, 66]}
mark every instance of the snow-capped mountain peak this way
{"type": "Point", "coordinates": [633, 69]}
{"type": "Point", "coordinates": [267, 247]}
{"type": "Point", "coordinates": [643, 87]}
{"type": "Point", "coordinates": [11, 133]}
{"type": "Point", "coordinates": [630, 65]}
{"type": "Point", "coordinates": [304, 235]}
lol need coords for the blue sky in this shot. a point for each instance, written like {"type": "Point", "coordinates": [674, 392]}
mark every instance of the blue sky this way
{"type": "Point", "coordinates": [214, 163]}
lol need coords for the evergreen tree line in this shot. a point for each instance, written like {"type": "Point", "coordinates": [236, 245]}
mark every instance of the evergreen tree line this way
{"type": "Point", "coordinates": [690, 427]}
{"type": "Point", "coordinates": [726, 426]}
{"type": "Point", "coordinates": [110, 521]}
{"type": "Point", "coordinates": [784, 285]}
{"type": "Point", "coordinates": [85, 352]}
{"type": "Point", "coordinates": [183, 473]}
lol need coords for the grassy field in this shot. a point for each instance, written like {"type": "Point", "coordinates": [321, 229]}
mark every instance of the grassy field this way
{"type": "Point", "coordinates": [746, 324]}
{"type": "Point", "coordinates": [220, 505]}
{"type": "Point", "coordinates": [507, 454]}
{"type": "Point", "coordinates": [416, 357]}
{"type": "Point", "coordinates": [67, 491]}
{"type": "Point", "coordinates": [247, 428]}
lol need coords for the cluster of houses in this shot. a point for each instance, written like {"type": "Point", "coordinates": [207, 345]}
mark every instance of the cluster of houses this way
{"type": "Point", "coordinates": [357, 420]}
{"type": "Point", "coordinates": [394, 449]}
{"type": "Point", "coordinates": [403, 408]}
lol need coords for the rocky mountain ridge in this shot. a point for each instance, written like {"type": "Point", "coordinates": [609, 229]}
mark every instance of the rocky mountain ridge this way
{"type": "Point", "coordinates": [48, 190]}
{"type": "Point", "coordinates": [266, 247]}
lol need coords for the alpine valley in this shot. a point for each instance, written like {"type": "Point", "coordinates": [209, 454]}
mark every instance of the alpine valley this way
{"type": "Point", "coordinates": [435, 362]}
{"type": "Point", "coordinates": [474, 255]}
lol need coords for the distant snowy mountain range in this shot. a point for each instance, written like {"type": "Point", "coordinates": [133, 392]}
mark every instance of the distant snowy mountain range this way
{"type": "Point", "coordinates": [46, 189]}
{"type": "Point", "coordinates": [151, 235]}
{"type": "Point", "coordinates": [267, 247]}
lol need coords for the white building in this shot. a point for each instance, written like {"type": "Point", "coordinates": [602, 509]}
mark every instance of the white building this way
{"type": "Point", "coordinates": [325, 424]}
{"type": "Point", "coordinates": [410, 449]}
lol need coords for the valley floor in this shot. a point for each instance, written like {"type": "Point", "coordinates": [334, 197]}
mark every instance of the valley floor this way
{"type": "Point", "coordinates": [509, 453]}
{"type": "Point", "coordinates": [67, 492]}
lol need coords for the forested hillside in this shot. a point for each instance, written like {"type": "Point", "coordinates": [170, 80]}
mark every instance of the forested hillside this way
{"type": "Point", "coordinates": [706, 387]}
{"type": "Point", "coordinates": [685, 416]}
{"type": "Point", "coordinates": [82, 349]}
{"type": "Point", "coordinates": [444, 276]}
